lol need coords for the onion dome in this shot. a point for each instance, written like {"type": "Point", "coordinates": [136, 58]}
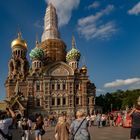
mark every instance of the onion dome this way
{"type": "Point", "coordinates": [83, 70]}
{"type": "Point", "coordinates": [19, 42]}
{"type": "Point", "coordinates": [37, 53]}
{"type": "Point", "coordinates": [73, 54]}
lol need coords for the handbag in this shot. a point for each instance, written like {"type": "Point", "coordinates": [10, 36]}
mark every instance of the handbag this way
{"type": "Point", "coordinates": [42, 131]}
{"type": "Point", "coordinates": [73, 135]}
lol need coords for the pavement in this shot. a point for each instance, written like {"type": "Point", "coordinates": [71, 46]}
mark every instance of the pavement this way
{"type": "Point", "coordinates": [103, 133]}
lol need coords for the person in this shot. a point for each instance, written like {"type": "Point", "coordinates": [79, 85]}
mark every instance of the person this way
{"type": "Point", "coordinates": [79, 127]}
{"type": "Point", "coordinates": [62, 129]}
{"type": "Point", "coordinates": [135, 129]}
{"type": "Point", "coordinates": [118, 119]}
{"type": "Point", "coordinates": [6, 119]}
{"type": "Point", "coordinates": [25, 129]}
{"type": "Point", "coordinates": [127, 121]}
{"type": "Point", "coordinates": [39, 131]}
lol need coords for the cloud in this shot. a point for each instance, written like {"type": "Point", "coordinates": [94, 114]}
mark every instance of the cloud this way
{"type": "Point", "coordinates": [95, 4]}
{"type": "Point", "coordinates": [64, 9]}
{"type": "Point", "coordinates": [120, 82]}
{"type": "Point", "coordinates": [135, 10]}
{"type": "Point", "coordinates": [93, 27]}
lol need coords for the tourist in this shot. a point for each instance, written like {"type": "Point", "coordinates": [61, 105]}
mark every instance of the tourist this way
{"type": "Point", "coordinates": [25, 129]}
{"type": "Point", "coordinates": [118, 119]}
{"type": "Point", "coordinates": [135, 129]}
{"type": "Point", "coordinates": [79, 127]}
{"type": "Point", "coordinates": [127, 120]}
{"type": "Point", "coordinates": [62, 129]}
{"type": "Point", "coordinates": [39, 131]}
{"type": "Point", "coordinates": [110, 117]}
{"type": "Point", "coordinates": [6, 120]}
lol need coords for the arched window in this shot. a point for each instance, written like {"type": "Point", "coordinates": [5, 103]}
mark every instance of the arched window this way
{"type": "Point", "coordinates": [58, 101]}
{"type": "Point", "coordinates": [37, 102]}
{"type": "Point", "coordinates": [37, 86]}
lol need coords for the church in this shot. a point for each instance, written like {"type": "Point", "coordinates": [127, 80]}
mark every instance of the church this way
{"type": "Point", "coordinates": [53, 83]}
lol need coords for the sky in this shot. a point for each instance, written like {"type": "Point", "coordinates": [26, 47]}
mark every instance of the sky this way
{"type": "Point", "coordinates": [107, 33]}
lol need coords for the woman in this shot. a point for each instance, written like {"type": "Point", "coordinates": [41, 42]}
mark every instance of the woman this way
{"type": "Point", "coordinates": [39, 131]}
{"type": "Point", "coordinates": [25, 129]}
{"type": "Point", "coordinates": [119, 120]}
{"type": "Point", "coordinates": [6, 120]}
{"type": "Point", "coordinates": [62, 129]}
{"type": "Point", "coordinates": [79, 127]}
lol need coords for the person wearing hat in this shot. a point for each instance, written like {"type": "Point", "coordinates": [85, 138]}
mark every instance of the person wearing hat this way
{"type": "Point", "coordinates": [6, 120]}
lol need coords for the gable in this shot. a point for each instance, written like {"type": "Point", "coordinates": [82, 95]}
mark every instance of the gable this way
{"type": "Point", "coordinates": [60, 69]}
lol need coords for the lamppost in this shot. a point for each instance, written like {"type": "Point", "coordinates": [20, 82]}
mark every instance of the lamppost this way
{"type": "Point", "coordinates": [111, 107]}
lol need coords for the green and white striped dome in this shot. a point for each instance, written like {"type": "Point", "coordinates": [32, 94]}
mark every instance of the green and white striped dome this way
{"type": "Point", "coordinates": [36, 53]}
{"type": "Point", "coordinates": [73, 54]}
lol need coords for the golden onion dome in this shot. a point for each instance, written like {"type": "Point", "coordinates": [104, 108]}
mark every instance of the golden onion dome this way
{"type": "Point", "coordinates": [83, 69]}
{"type": "Point", "coordinates": [19, 42]}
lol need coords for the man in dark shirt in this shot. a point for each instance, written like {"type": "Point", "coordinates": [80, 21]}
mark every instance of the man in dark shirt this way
{"type": "Point", "coordinates": [135, 129]}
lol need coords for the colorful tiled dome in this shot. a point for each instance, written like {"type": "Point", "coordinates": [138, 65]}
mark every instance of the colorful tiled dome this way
{"type": "Point", "coordinates": [36, 53]}
{"type": "Point", "coordinates": [73, 54]}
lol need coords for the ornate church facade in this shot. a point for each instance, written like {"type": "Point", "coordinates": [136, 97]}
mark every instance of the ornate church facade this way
{"type": "Point", "coordinates": [53, 83]}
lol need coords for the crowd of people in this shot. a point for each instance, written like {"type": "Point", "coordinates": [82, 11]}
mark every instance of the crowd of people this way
{"type": "Point", "coordinates": [66, 127]}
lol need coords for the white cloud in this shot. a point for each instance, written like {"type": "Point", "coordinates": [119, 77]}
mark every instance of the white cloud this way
{"type": "Point", "coordinates": [92, 26]}
{"type": "Point", "coordinates": [95, 4]}
{"type": "Point", "coordinates": [121, 82]}
{"type": "Point", "coordinates": [64, 9]}
{"type": "Point", "coordinates": [135, 10]}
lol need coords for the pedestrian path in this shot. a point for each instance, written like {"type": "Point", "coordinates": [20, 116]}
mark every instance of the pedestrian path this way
{"type": "Point", "coordinates": [109, 133]}
{"type": "Point", "coordinates": [104, 133]}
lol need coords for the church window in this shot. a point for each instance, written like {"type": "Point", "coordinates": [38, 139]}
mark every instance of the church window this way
{"type": "Point", "coordinates": [37, 102]}
{"type": "Point", "coordinates": [58, 101]}
{"type": "Point", "coordinates": [77, 101]}
{"type": "Point", "coordinates": [37, 86]}
{"type": "Point", "coordinates": [64, 101]}
{"type": "Point", "coordinates": [53, 101]}
{"type": "Point", "coordinates": [77, 87]}
{"type": "Point", "coordinates": [87, 100]}
{"type": "Point", "coordinates": [53, 86]}
{"type": "Point", "coordinates": [64, 86]}
{"type": "Point", "coordinates": [58, 86]}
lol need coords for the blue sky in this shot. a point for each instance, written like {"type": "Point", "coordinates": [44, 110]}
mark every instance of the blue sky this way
{"type": "Point", "coordinates": [107, 33]}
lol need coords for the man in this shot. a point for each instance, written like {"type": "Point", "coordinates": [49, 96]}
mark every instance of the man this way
{"type": "Point", "coordinates": [135, 129]}
{"type": "Point", "coordinates": [6, 119]}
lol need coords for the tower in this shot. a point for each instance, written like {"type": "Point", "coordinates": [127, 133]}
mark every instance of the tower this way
{"type": "Point", "coordinates": [73, 56]}
{"type": "Point", "coordinates": [18, 64]}
{"type": "Point", "coordinates": [54, 48]}
{"type": "Point", "coordinates": [37, 56]}
{"type": "Point", "coordinates": [50, 24]}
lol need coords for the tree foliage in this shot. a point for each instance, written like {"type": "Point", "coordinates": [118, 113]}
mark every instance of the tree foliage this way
{"type": "Point", "coordinates": [118, 100]}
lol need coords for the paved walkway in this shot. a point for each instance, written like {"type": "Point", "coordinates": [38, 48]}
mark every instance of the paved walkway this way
{"type": "Point", "coordinates": [104, 133]}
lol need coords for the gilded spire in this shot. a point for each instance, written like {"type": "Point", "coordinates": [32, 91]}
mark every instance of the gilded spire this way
{"type": "Point", "coordinates": [50, 24]}
{"type": "Point", "coordinates": [37, 41]}
{"type": "Point", "coordinates": [19, 35]}
{"type": "Point", "coordinates": [73, 41]}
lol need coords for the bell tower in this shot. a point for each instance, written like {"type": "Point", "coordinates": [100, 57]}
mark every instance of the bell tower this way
{"type": "Point", "coordinates": [18, 64]}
